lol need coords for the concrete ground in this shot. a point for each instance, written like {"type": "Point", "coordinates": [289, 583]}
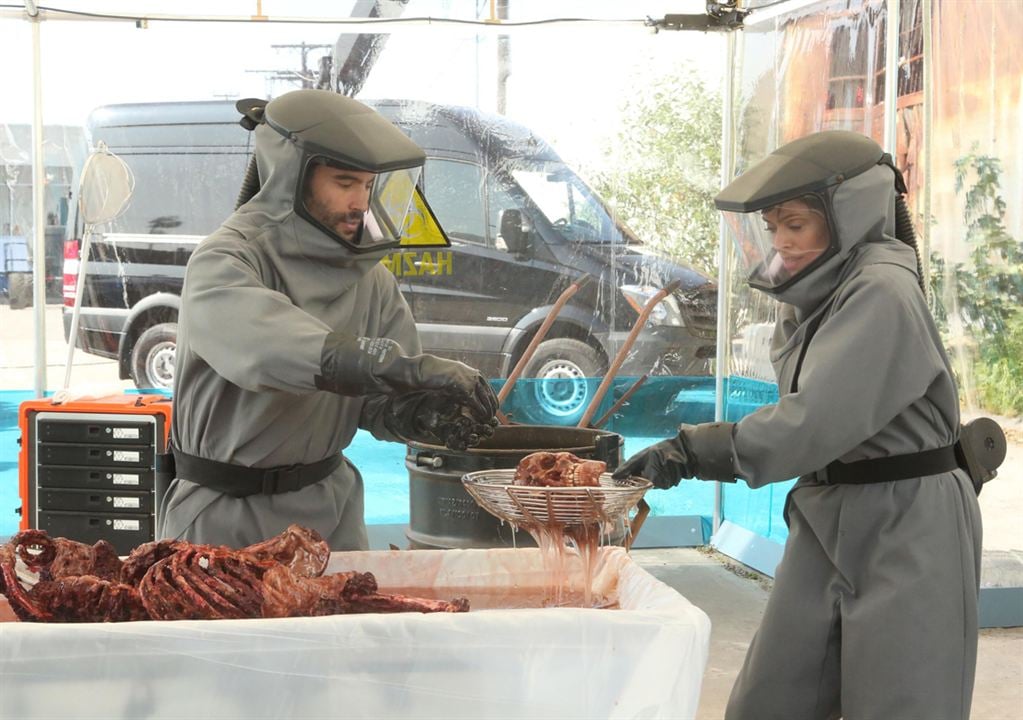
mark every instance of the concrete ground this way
{"type": "Point", "coordinates": [733, 600]}
{"type": "Point", "coordinates": [17, 354]}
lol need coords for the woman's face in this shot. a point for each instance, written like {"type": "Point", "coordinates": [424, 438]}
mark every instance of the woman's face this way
{"type": "Point", "coordinates": [798, 233]}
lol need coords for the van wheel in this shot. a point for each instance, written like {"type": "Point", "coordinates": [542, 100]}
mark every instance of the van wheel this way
{"type": "Point", "coordinates": [152, 358]}
{"type": "Point", "coordinates": [567, 373]}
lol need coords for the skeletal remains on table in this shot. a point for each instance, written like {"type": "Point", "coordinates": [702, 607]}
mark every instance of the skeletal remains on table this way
{"type": "Point", "coordinates": [558, 469]}
{"type": "Point", "coordinates": [177, 580]}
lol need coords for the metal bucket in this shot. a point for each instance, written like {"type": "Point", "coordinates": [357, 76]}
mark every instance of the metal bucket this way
{"type": "Point", "coordinates": [443, 515]}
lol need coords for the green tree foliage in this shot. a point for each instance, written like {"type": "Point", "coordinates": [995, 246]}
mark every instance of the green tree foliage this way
{"type": "Point", "coordinates": [989, 287]}
{"type": "Point", "coordinates": [1000, 377]}
{"type": "Point", "coordinates": [665, 167]}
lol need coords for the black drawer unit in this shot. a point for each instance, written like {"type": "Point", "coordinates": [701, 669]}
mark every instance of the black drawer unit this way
{"type": "Point", "coordinates": [112, 433]}
{"type": "Point", "coordinates": [123, 531]}
{"type": "Point", "coordinates": [109, 457]}
{"type": "Point", "coordinates": [92, 476]}
{"type": "Point", "coordinates": [92, 501]}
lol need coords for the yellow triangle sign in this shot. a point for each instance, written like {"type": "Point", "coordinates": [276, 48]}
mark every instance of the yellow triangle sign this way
{"type": "Point", "coordinates": [421, 226]}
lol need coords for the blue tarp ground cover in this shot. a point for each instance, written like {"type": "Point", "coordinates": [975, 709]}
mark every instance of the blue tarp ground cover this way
{"type": "Point", "coordinates": [761, 510]}
{"type": "Point", "coordinates": [652, 414]}
{"type": "Point", "coordinates": [9, 433]}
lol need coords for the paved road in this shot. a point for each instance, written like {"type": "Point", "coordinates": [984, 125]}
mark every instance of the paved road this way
{"type": "Point", "coordinates": [735, 605]}
{"type": "Point", "coordinates": [17, 355]}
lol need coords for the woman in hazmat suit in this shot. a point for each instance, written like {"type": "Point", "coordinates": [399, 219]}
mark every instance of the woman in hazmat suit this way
{"type": "Point", "coordinates": [873, 613]}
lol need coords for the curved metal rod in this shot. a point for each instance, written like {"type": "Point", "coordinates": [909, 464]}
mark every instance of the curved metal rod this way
{"type": "Point", "coordinates": [621, 401]}
{"type": "Point", "coordinates": [538, 338]}
{"type": "Point", "coordinates": [624, 351]}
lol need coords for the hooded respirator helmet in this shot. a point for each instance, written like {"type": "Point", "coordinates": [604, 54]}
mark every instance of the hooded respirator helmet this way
{"type": "Point", "coordinates": [781, 212]}
{"type": "Point", "coordinates": [363, 160]}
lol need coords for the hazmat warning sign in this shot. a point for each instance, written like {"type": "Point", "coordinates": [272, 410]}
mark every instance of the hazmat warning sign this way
{"type": "Point", "coordinates": [421, 227]}
{"type": "Point", "coordinates": [421, 243]}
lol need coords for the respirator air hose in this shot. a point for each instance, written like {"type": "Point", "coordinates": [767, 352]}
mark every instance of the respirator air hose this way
{"type": "Point", "coordinates": [250, 185]}
{"type": "Point", "coordinates": [904, 232]}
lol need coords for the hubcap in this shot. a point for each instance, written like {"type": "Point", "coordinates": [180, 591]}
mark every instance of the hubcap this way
{"type": "Point", "coordinates": [160, 365]}
{"type": "Point", "coordinates": [561, 388]}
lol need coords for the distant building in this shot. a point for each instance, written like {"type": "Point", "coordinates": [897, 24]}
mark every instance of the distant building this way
{"type": "Point", "coordinates": [828, 72]}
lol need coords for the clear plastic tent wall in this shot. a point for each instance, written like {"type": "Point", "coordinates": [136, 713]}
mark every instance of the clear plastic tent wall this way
{"type": "Point", "coordinates": [805, 67]}
{"type": "Point", "coordinates": [631, 146]}
{"type": "Point", "coordinates": [601, 137]}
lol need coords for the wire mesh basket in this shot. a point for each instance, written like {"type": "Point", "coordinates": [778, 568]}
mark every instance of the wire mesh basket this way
{"type": "Point", "coordinates": [567, 506]}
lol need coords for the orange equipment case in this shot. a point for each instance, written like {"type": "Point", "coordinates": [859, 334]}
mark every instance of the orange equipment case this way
{"type": "Point", "coordinates": [91, 469]}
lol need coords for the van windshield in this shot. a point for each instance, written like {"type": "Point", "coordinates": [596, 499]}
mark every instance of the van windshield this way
{"type": "Point", "coordinates": [571, 207]}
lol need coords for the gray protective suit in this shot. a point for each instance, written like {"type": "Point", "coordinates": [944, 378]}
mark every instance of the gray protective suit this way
{"type": "Point", "coordinates": [874, 611]}
{"type": "Point", "coordinates": [260, 296]}
{"type": "Point", "coordinates": [873, 614]}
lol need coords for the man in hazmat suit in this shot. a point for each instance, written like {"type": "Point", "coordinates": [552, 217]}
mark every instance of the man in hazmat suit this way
{"type": "Point", "coordinates": [293, 335]}
{"type": "Point", "coordinates": [873, 613]}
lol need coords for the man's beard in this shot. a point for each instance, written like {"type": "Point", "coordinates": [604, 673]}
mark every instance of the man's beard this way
{"type": "Point", "coordinates": [333, 220]}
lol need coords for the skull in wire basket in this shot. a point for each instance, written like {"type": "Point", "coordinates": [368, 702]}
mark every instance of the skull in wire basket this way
{"type": "Point", "coordinates": [558, 469]}
{"type": "Point", "coordinates": [608, 501]}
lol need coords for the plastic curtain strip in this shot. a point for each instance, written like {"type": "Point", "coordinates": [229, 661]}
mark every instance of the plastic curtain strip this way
{"type": "Point", "coordinates": [569, 156]}
{"type": "Point", "coordinates": [805, 68]}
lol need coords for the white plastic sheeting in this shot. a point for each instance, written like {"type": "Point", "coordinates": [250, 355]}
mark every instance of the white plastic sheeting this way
{"type": "Point", "coordinates": [644, 660]}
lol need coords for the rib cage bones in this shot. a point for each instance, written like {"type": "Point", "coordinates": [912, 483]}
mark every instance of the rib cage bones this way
{"type": "Point", "coordinates": [170, 580]}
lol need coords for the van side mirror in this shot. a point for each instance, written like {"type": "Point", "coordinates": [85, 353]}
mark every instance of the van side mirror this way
{"type": "Point", "coordinates": [515, 232]}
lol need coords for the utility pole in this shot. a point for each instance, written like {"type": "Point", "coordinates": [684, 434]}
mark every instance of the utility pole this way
{"type": "Point", "coordinates": [307, 78]}
{"type": "Point", "coordinates": [503, 57]}
{"type": "Point", "coordinates": [304, 76]}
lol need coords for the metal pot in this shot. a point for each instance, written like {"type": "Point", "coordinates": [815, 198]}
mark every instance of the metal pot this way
{"type": "Point", "coordinates": [443, 515]}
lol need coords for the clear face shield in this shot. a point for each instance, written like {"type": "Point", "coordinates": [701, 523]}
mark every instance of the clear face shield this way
{"type": "Point", "coordinates": [782, 243]}
{"type": "Point", "coordinates": [364, 211]}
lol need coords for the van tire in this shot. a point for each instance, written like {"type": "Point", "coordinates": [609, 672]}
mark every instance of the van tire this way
{"type": "Point", "coordinates": [560, 392]}
{"type": "Point", "coordinates": [152, 358]}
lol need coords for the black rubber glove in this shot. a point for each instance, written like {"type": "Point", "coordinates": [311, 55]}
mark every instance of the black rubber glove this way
{"type": "Point", "coordinates": [436, 419]}
{"type": "Point", "coordinates": [361, 366]}
{"type": "Point", "coordinates": [664, 463]}
{"type": "Point", "coordinates": [701, 451]}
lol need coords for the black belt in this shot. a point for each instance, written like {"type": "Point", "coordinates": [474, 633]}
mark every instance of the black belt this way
{"type": "Point", "coordinates": [241, 481]}
{"type": "Point", "coordinates": [895, 467]}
